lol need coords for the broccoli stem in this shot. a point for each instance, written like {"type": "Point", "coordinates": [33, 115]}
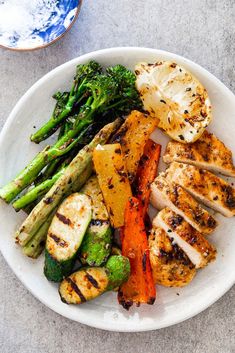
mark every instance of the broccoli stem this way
{"type": "Point", "coordinates": [66, 102]}
{"type": "Point", "coordinates": [37, 191]}
{"type": "Point", "coordinates": [53, 123]}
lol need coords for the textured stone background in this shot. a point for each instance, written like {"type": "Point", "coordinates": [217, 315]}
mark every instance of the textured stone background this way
{"type": "Point", "coordinates": [201, 30]}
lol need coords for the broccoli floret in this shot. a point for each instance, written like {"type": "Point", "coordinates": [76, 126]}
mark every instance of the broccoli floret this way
{"type": "Point", "coordinates": [85, 73]}
{"type": "Point", "coordinates": [103, 91]}
{"type": "Point", "coordinates": [128, 96]}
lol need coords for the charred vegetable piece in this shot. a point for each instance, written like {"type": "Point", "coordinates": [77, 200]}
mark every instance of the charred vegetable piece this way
{"type": "Point", "coordinates": [171, 93]}
{"type": "Point", "coordinates": [65, 236]}
{"type": "Point", "coordinates": [118, 267]}
{"type": "Point", "coordinates": [132, 136]}
{"type": "Point", "coordinates": [146, 172]}
{"type": "Point", "coordinates": [88, 283]}
{"type": "Point", "coordinates": [113, 180]}
{"type": "Point", "coordinates": [74, 177]}
{"type": "Point", "coordinates": [140, 286]}
{"type": "Point", "coordinates": [96, 245]}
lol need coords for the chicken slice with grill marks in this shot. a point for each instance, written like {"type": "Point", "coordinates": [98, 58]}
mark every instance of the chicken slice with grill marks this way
{"type": "Point", "coordinates": [171, 267]}
{"type": "Point", "coordinates": [208, 152]}
{"type": "Point", "coordinates": [211, 190]}
{"type": "Point", "coordinates": [165, 193]}
{"type": "Point", "coordinates": [196, 247]}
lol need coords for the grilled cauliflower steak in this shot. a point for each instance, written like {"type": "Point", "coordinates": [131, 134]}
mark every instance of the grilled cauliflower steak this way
{"type": "Point", "coordinates": [171, 267]}
{"type": "Point", "coordinates": [208, 152]}
{"type": "Point", "coordinates": [211, 190]}
{"type": "Point", "coordinates": [176, 97]}
{"type": "Point", "coordinates": [165, 193]}
{"type": "Point", "coordinates": [196, 247]}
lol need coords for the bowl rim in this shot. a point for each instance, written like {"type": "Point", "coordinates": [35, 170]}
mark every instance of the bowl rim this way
{"type": "Point", "coordinates": [99, 323]}
{"type": "Point", "coordinates": [78, 9]}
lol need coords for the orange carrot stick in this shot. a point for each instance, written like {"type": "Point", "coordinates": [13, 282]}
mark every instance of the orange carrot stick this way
{"type": "Point", "coordinates": [147, 171]}
{"type": "Point", "coordinates": [140, 286]}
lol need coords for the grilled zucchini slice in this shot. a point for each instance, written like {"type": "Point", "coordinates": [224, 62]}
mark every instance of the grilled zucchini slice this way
{"type": "Point", "coordinates": [65, 235]}
{"type": "Point", "coordinates": [89, 283]}
{"type": "Point", "coordinates": [96, 245]}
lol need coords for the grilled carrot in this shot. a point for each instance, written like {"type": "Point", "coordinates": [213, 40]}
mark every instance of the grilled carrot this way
{"type": "Point", "coordinates": [140, 286]}
{"type": "Point", "coordinates": [146, 172]}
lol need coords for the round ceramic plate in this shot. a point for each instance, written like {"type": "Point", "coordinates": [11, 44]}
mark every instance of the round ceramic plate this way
{"type": "Point", "coordinates": [34, 24]}
{"type": "Point", "coordinates": [172, 305]}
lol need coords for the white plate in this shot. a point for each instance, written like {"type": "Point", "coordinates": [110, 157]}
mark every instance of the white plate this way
{"type": "Point", "coordinates": [172, 305]}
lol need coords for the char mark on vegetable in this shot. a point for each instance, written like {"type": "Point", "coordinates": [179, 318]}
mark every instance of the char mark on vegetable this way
{"type": "Point", "coordinates": [76, 289]}
{"type": "Point", "coordinates": [63, 219]}
{"type": "Point", "coordinates": [151, 301]}
{"type": "Point", "coordinates": [126, 304]}
{"type": "Point", "coordinates": [144, 259]}
{"type": "Point", "coordinates": [92, 280]}
{"type": "Point", "coordinates": [58, 241]}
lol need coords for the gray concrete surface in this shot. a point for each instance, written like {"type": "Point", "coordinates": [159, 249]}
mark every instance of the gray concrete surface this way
{"type": "Point", "coordinates": [202, 30]}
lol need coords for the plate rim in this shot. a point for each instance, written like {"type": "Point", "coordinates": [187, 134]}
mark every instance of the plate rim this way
{"type": "Point", "coordinates": [100, 324]}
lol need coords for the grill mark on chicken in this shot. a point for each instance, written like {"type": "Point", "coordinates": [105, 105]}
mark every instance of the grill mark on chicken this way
{"type": "Point", "coordinates": [175, 221]}
{"type": "Point", "coordinates": [230, 199]}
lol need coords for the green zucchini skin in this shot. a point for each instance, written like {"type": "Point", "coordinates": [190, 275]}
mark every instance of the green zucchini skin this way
{"type": "Point", "coordinates": [55, 271]}
{"type": "Point", "coordinates": [89, 283]}
{"type": "Point", "coordinates": [96, 245]}
{"type": "Point", "coordinates": [65, 235]}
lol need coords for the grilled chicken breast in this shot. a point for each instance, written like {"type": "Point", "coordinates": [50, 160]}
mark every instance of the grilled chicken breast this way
{"type": "Point", "coordinates": [207, 153]}
{"type": "Point", "coordinates": [165, 193]}
{"type": "Point", "coordinates": [173, 95]}
{"type": "Point", "coordinates": [211, 190]}
{"type": "Point", "coordinates": [196, 247]}
{"type": "Point", "coordinates": [171, 267]}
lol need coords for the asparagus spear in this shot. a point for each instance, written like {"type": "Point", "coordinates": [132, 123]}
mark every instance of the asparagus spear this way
{"type": "Point", "coordinates": [36, 245]}
{"type": "Point", "coordinates": [37, 191]}
{"type": "Point", "coordinates": [27, 176]}
{"type": "Point", "coordinates": [52, 167]}
{"type": "Point", "coordinates": [83, 74]}
{"type": "Point", "coordinates": [72, 180]}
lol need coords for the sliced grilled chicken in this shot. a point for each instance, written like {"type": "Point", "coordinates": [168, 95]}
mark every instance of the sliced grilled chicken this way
{"type": "Point", "coordinates": [171, 267]}
{"type": "Point", "coordinates": [173, 95]}
{"type": "Point", "coordinates": [196, 247]}
{"type": "Point", "coordinates": [211, 190]}
{"type": "Point", "coordinates": [165, 193]}
{"type": "Point", "coordinates": [207, 153]}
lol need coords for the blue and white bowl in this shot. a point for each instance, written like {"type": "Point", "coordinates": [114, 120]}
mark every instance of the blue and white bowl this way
{"type": "Point", "coordinates": [34, 24]}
